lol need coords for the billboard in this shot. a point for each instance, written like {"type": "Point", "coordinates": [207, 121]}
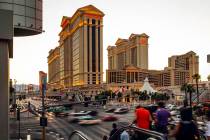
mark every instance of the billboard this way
{"type": "Point", "coordinates": [42, 81]}
{"type": "Point", "coordinates": [208, 58]}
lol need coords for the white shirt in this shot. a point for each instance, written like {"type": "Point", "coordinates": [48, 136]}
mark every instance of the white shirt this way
{"type": "Point", "coordinates": [208, 129]}
{"type": "Point", "coordinates": [124, 136]}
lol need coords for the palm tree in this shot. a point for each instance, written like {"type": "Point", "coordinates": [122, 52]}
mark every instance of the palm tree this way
{"type": "Point", "coordinates": [184, 88]}
{"type": "Point", "coordinates": [190, 90]}
{"type": "Point", "coordinates": [197, 77]}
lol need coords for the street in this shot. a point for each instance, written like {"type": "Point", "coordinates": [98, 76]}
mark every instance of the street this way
{"type": "Point", "coordinates": [64, 128]}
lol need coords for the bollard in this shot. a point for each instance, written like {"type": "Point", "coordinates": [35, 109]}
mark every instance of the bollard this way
{"type": "Point", "coordinates": [28, 134]}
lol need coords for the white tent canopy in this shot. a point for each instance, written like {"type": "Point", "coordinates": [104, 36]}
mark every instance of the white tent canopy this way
{"type": "Point", "coordinates": [147, 87]}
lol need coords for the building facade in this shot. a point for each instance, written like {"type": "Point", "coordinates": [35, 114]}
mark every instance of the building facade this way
{"type": "Point", "coordinates": [132, 51]}
{"type": "Point", "coordinates": [54, 68]}
{"type": "Point", "coordinates": [128, 65]}
{"type": "Point", "coordinates": [188, 61]}
{"type": "Point", "coordinates": [81, 48]}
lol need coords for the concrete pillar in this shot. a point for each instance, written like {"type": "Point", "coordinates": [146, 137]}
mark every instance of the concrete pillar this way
{"type": "Point", "coordinates": [97, 57]}
{"type": "Point", "coordinates": [4, 90]}
{"type": "Point", "coordinates": [90, 51]}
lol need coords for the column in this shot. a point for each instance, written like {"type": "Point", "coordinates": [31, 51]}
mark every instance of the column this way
{"type": "Point", "coordinates": [97, 57]}
{"type": "Point", "coordinates": [90, 51]}
{"type": "Point", "coordinates": [101, 50]}
{"type": "Point", "coordinates": [4, 90]}
{"type": "Point", "coordinates": [85, 51]}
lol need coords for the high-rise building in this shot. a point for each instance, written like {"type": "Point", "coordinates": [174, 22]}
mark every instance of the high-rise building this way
{"type": "Point", "coordinates": [132, 51]}
{"type": "Point", "coordinates": [128, 65]}
{"type": "Point", "coordinates": [54, 68]}
{"type": "Point", "coordinates": [188, 61]}
{"type": "Point", "coordinates": [81, 48]}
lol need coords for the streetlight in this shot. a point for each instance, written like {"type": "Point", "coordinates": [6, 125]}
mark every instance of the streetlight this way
{"type": "Point", "coordinates": [14, 98]}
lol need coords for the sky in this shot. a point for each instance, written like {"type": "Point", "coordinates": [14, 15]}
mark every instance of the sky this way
{"type": "Point", "coordinates": [174, 26]}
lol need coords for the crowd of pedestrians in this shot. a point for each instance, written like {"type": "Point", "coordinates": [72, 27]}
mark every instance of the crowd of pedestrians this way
{"type": "Point", "coordinates": [185, 129]}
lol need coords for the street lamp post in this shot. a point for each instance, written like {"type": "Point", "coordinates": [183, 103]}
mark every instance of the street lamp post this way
{"type": "Point", "coordinates": [14, 98]}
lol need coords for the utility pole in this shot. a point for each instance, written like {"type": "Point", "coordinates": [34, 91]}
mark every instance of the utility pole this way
{"type": "Point", "coordinates": [14, 98]}
{"type": "Point", "coordinates": [43, 119]}
{"type": "Point", "coordinates": [43, 114]}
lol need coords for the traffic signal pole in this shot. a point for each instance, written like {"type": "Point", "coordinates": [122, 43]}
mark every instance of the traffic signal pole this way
{"type": "Point", "coordinates": [43, 114]}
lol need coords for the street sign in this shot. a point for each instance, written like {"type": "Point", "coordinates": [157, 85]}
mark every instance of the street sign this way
{"type": "Point", "coordinates": [43, 121]}
{"type": "Point", "coordinates": [208, 58]}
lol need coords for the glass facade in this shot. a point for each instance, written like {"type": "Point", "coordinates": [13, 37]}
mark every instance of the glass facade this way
{"type": "Point", "coordinates": [27, 15]}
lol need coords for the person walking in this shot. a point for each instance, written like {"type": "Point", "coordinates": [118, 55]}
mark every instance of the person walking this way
{"type": "Point", "coordinates": [186, 128]}
{"type": "Point", "coordinates": [161, 118]}
{"type": "Point", "coordinates": [208, 125]}
{"type": "Point", "coordinates": [143, 117]}
{"type": "Point", "coordinates": [124, 135]}
{"type": "Point", "coordinates": [114, 129]}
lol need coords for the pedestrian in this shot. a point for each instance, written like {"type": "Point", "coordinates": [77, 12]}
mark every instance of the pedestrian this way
{"type": "Point", "coordinates": [124, 135]}
{"type": "Point", "coordinates": [208, 125]}
{"type": "Point", "coordinates": [161, 118]}
{"type": "Point", "coordinates": [186, 129]}
{"type": "Point", "coordinates": [143, 117]}
{"type": "Point", "coordinates": [105, 137]}
{"type": "Point", "coordinates": [114, 129]}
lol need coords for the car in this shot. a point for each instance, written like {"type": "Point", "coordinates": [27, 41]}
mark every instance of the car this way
{"type": "Point", "coordinates": [92, 113]}
{"type": "Point", "coordinates": [81, 113]}
{"type": "Point", "coordinates": [79, 118]}
{"type": "Point", "coordinates": [61, 114]}
{"type": "Point", "coordinates": [109, 118]}
{"type": "Point", "coordinates": [174, 112]}
{"type": "Point", "coordinates": [84, 113]}
{"type": "Point", "coordinates": [121, 110]}
{"type": "Point", "coordinates": [111, 110]}
{"type": "Point", "coordinates": [90, 122]}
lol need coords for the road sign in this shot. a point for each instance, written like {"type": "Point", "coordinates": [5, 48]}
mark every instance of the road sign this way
{"type": "Point", "coordinates": [43, 121]}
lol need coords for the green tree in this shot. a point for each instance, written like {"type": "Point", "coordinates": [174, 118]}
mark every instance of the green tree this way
{"type": "Point", "coordinates": [190, 90]}
{"type": "Point", "coordinates": [143, 96]}
{"type": "Point", "coordinates": [119, 96]}
{"type": "Point", "coordinates": [184, 88]}
{"type": "Point", "coordinates": [197, 77]}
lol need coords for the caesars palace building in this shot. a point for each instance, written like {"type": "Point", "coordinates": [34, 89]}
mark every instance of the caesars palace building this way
{"type": "Point", "coordinates": [128, 65]}
{"type": "Point", "coordinates": [78, 60]}
{"type": "Point", "coordinates": [76, 64]}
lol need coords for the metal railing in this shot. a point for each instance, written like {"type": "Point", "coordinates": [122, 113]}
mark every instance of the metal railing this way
{"type": "Point", "coordinates": [150, 134]}
{"type": "Point", "coordinates": [78, 135]}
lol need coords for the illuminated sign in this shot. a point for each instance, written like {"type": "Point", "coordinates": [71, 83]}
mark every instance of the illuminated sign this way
{"type": "Point", "coordinates": [143, 41]}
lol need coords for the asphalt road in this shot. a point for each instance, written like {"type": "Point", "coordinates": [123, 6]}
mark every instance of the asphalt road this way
{"type": "Point", "coordinates": [61, 125]}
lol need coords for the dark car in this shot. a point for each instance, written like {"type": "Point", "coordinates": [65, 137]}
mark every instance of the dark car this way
{"type": "Point", "coordinates": [61, 114]}
{"type": "Point", "coordinates": [92, 113]}
{"type": "Point", "coordinates": [109, 118]}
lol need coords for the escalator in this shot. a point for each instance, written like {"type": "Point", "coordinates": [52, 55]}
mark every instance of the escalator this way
{"type": "Point", "coordinates": [77, 135]}
{"type": "Point", "coordinates": [203, 95]}
{"type": "Point", "coordinates": [138, 134]}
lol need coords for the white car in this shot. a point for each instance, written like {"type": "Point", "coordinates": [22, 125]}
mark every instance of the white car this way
{"type": "Point", "coordinates": [89, 122]}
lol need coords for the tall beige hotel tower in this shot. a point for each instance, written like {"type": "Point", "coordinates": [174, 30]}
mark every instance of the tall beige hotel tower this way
{"type": "Point", "coordinates": [132, 51]}
{"type": "Point", "coordinates": [80, 50]}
